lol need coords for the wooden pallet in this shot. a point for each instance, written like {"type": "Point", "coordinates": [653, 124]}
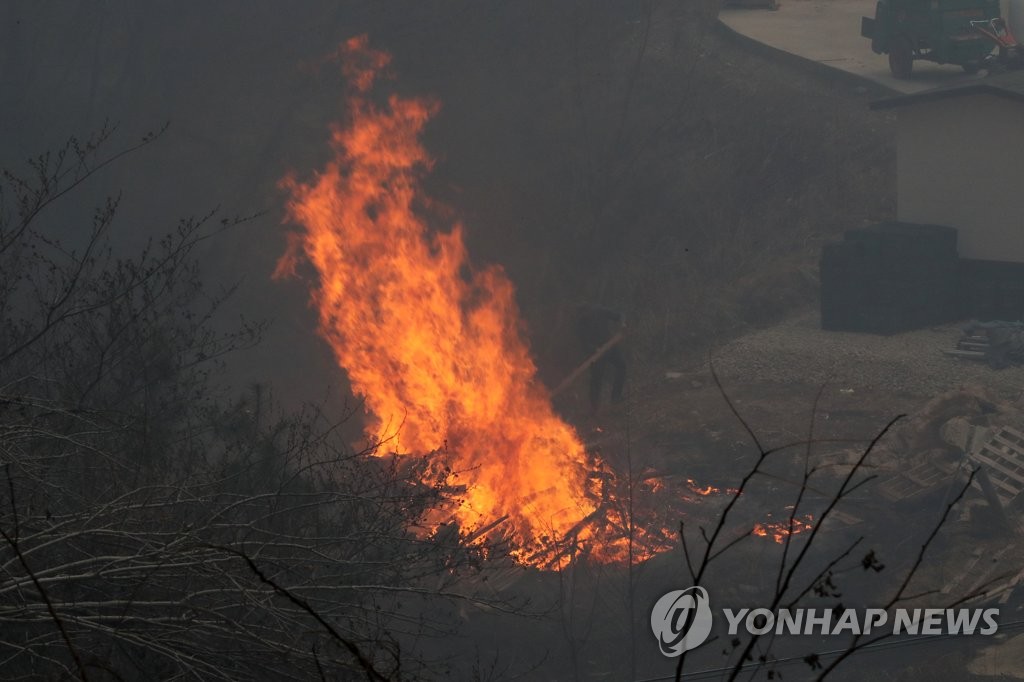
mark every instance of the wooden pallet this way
{"type": "Point", "coordinates": [1002, 455]}
{"type": "Point", "coordinates": [914, 481]}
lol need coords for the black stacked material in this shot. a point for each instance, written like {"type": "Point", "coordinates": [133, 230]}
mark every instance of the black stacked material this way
{"type": "Point", "coordinates": [890, 277]}
{"type": "Point", "coordinates": [992, 290]}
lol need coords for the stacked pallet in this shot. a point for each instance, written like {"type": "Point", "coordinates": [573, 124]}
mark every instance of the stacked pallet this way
{"type": "Point", "coordinates": [889, 278]}
{"type": "Point", "coordinates": [1000, 344]}
{"type": "Point", "coordinates": [970, 347]}
{"type": "Point", "coordinates": [917, 480]}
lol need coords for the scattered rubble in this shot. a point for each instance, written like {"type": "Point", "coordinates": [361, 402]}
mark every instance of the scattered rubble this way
{"type": "Point", "coordinates": [932, 453]}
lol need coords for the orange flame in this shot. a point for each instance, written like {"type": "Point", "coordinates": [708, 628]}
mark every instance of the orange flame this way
{"type": "Point", "coordinates": [434, 345]}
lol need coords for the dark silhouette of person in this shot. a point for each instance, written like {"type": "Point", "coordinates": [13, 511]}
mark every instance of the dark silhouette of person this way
{"type": "Point", "coordinates": [596, 325]}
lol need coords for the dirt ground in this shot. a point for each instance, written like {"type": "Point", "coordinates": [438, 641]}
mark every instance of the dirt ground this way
{"type": "Point", "coordinates": [791, 382]}
{"type": "Point", "coordinates": [777, 377]}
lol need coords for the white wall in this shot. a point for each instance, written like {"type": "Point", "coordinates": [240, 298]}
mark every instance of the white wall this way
{"type": "Point", "coordinates": [960, 162]}
{"type": "Point", "coordinates": [1013, 10]}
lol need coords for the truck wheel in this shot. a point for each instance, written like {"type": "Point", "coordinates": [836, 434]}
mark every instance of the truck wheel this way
{"type": "Point", "coordinates": [901, 58]}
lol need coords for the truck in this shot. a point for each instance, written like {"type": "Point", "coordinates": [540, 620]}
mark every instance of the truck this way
{"type": "Point", "coordinates": [938, 31]}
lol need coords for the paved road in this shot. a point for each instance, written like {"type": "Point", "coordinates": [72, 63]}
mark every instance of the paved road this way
{"type": "Point", "coordinates": [828, 31]}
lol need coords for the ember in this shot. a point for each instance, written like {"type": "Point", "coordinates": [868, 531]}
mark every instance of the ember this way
{"type": "Point", "coordinates": [779, 530]}
{"type": "Point", "coordinates": [704, 491]}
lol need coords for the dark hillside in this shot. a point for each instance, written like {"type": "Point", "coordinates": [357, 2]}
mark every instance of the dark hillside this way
{"type": "Point", "coordinates": [621, 152]}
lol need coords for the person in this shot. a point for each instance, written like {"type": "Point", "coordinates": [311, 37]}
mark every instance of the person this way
{"type": "Point", "coordinates": [596, 325]}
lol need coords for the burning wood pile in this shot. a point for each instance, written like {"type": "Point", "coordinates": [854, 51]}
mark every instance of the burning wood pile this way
{"type": "Point", "coordinates": [435, 347]}
{"type": "Point", "coordinates": [433, 344]}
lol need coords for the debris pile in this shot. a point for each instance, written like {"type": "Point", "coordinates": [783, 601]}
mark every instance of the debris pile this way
{"type": "Point", "coordinates": [956, 433]}
{"type": "Point", "coordinates": [998, 343]}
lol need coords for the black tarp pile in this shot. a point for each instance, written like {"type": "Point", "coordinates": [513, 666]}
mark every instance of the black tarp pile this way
{"type": "Point", "coordinates": [889, 278]}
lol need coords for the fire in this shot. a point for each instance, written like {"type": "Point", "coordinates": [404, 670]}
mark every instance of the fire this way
{"type": "Point", "coordinates": [654, 482]}
{"type": "Point", "coordinates": [433, 344]}
{"type": "Point", "coordinates": [780, 530]}
{"type": "Point", "coordinates": [706, 490]}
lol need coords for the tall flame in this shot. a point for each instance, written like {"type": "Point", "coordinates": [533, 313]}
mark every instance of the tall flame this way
{"type": "Point", "coordinates": [434, 345]}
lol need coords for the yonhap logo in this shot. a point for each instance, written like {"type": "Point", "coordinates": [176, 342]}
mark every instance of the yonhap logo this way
{"type": "Point", "coordinates": [681, 620]}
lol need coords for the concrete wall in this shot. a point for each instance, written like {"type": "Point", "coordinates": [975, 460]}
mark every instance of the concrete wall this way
{"type": "Point", "coordinates": [1013, 10]}
{"type": "Point", "coordinates": [960, 162]}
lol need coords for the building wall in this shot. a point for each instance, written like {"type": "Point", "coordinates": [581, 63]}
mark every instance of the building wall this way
{"type": "Point", "coordinates": [960, 162]}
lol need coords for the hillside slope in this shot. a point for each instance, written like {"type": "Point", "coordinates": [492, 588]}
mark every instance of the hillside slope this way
{"type": "Point", "coordinates": [626, 153]}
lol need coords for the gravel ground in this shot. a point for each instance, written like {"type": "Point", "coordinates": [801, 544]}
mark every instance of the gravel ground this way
{"type": "Point", "coordinates": [911, 363]}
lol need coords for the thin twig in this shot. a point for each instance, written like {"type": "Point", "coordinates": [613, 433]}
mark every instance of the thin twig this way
{"type": "Point", "coordinates": [49, 605]}
{"type": "Point", "coordinates": [364, 662]}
